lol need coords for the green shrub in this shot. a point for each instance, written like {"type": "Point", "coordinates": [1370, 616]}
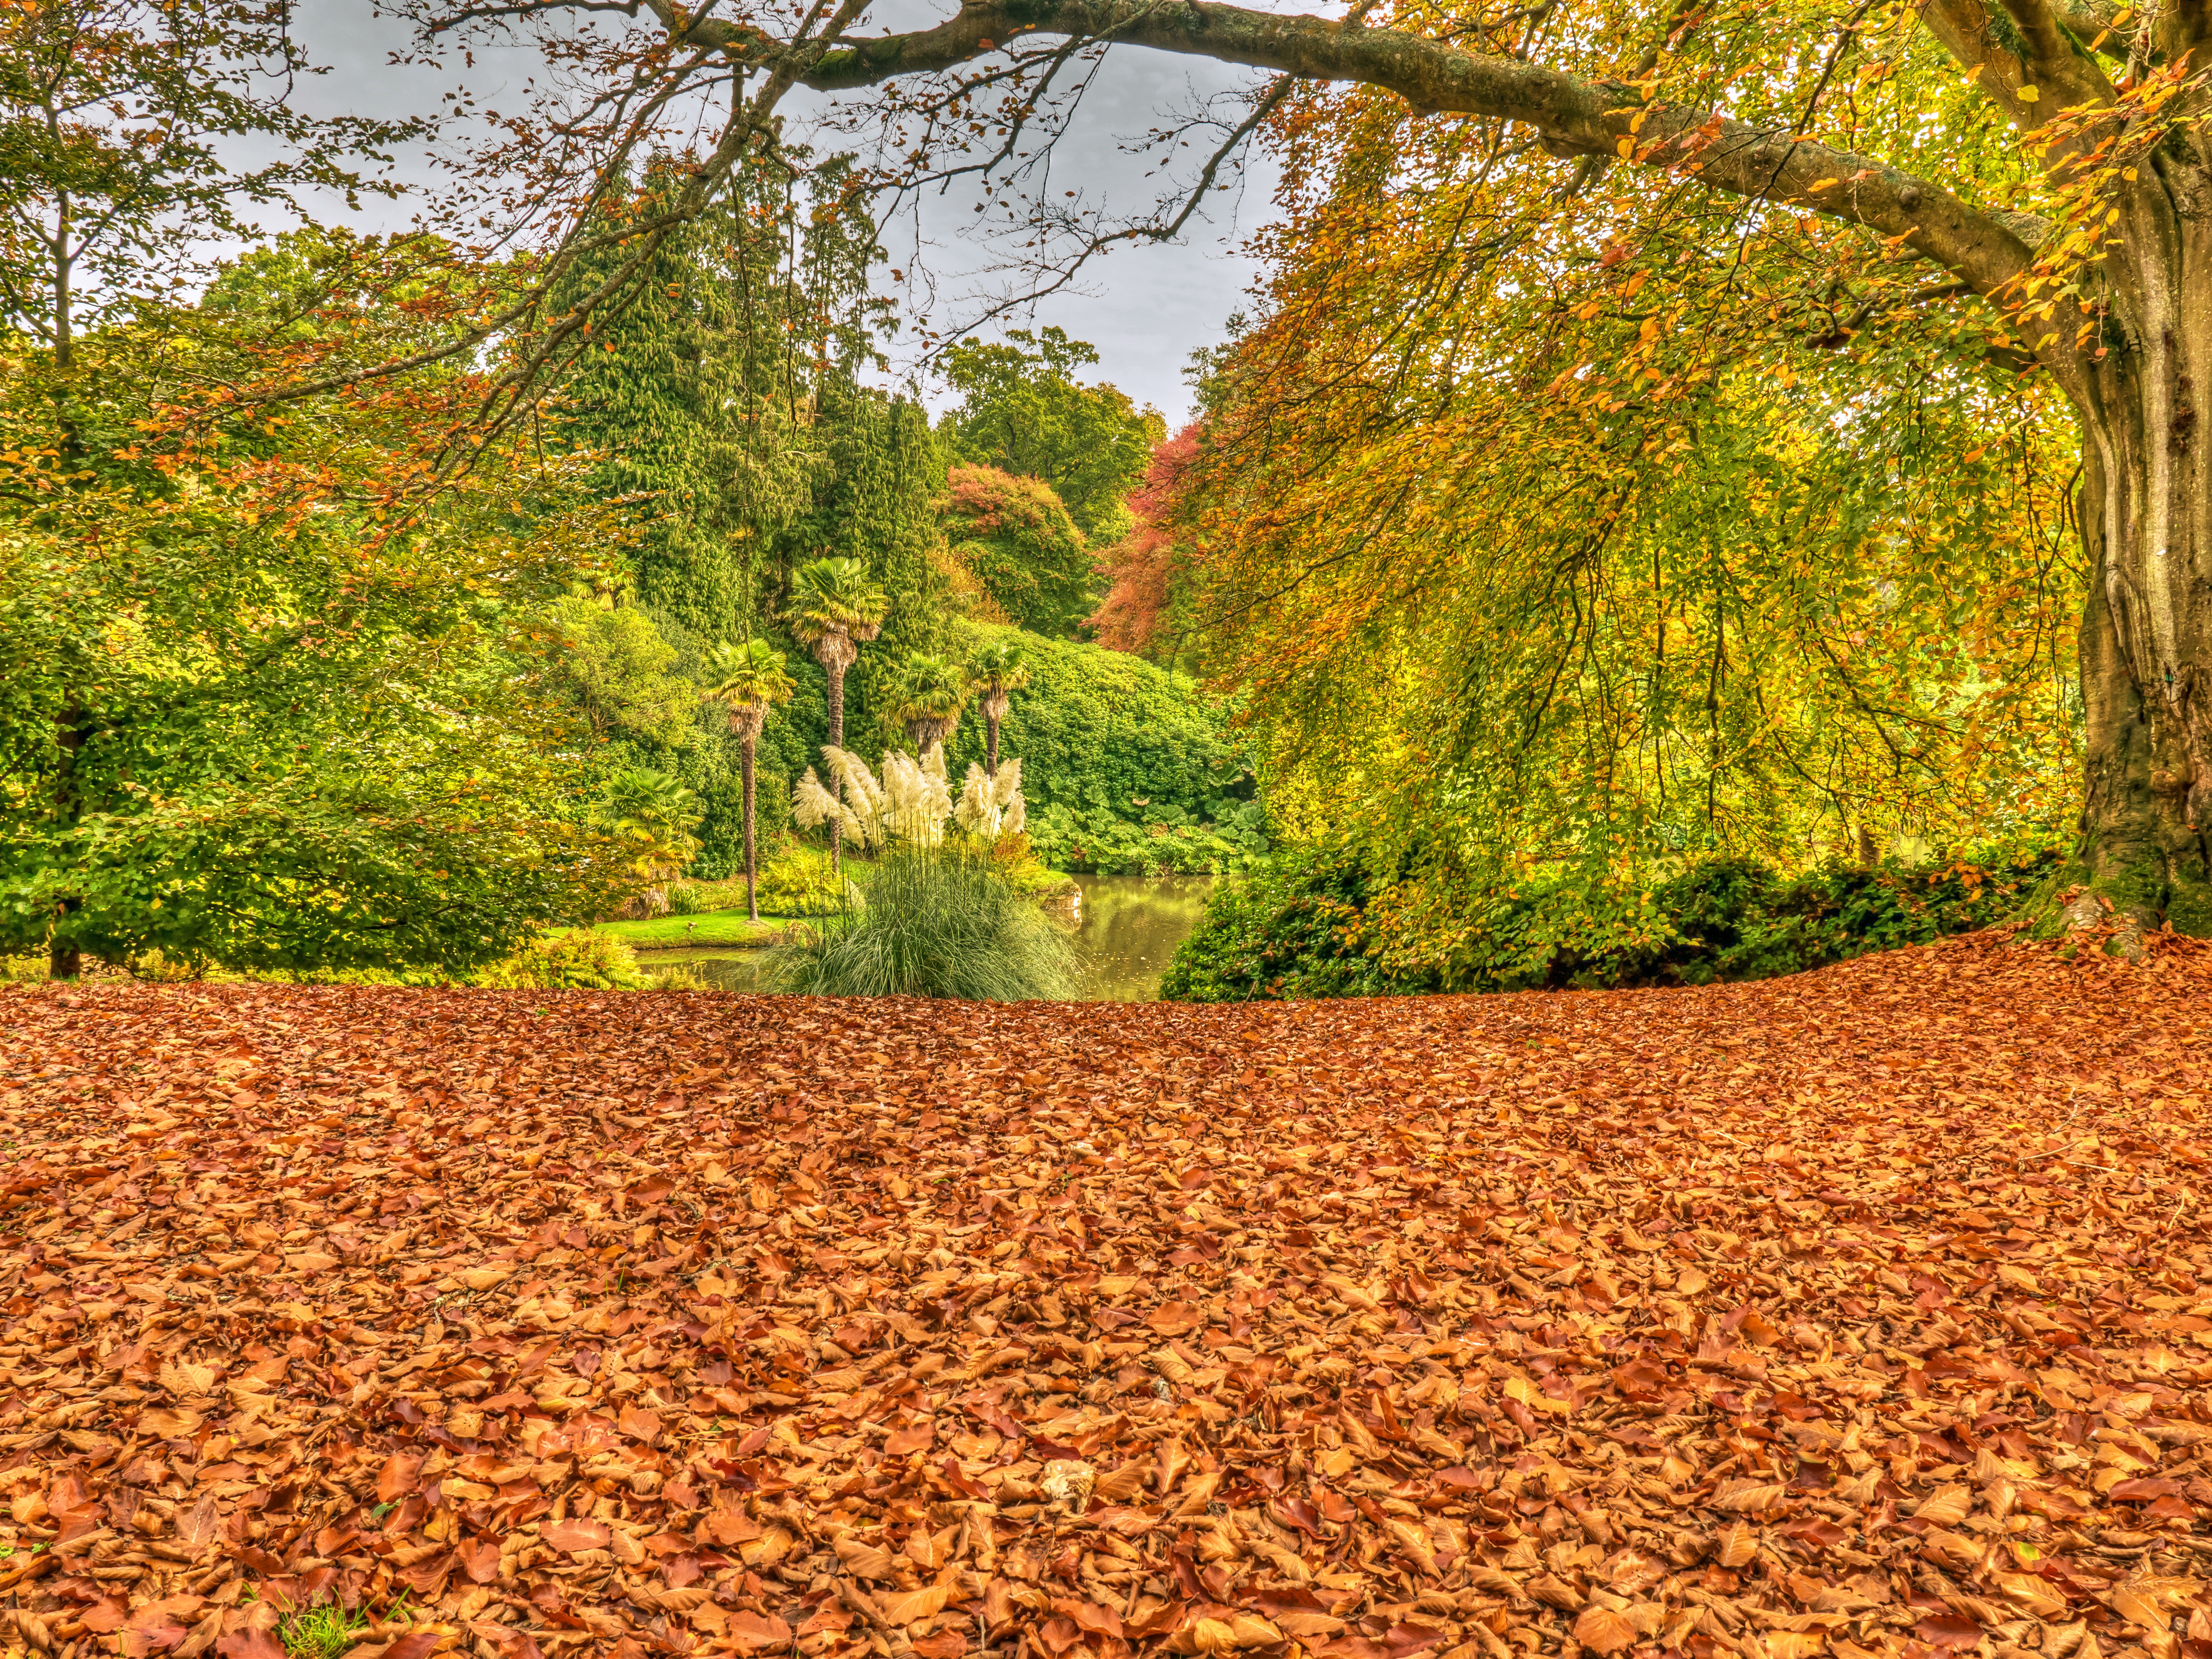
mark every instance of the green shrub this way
{"type": "Point", "coordinates": [800, 882]}
{"type": "Point", "coordinates": [584, 959]}
{"type": "Point", "coordinates": [1326, 922]}
{"type": "Point", "coordinates": [1129, 770]}
{"type": "Point", "coordinates": [938, 922]}
{"type": "Point", "coordinates": [579, 959]}
{"type": "Point", "coordinates": [705, 898]}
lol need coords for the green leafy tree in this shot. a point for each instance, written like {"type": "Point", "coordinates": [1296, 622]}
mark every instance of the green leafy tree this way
{"type": "Point", "coordinates": [996, 669]}
{"type": "Point", "coordinates": [254, 716]}
{"type": "Point", "coordinates": [640, 394]}
{"type": "Point", "coordinates": [835, 607]}
{"type": "Point", "coordinates": [615, 665]}
{"type": "Point", "coordinates": [652, 816]}
{"type": "Point", "coordinates": [750, 680]}
{"type": "Point", "coordinates": [878, 503]}
{"type": "Point", "coordinates": [116, 121]}
{"type": "Point", "coordinates": [1014, 537]}
{"type": "Point", "coordinates": [931, 691]}
{"type": "Point", "coordinates": [1022, 411]}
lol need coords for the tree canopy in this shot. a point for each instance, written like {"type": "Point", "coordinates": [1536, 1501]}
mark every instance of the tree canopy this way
{"type": "Point", "coordinates": [1018, 541]}
{"type": "Point", "coordinates": [1022, 411]}
{"type": "Point", "coordinates": [1938, 178]}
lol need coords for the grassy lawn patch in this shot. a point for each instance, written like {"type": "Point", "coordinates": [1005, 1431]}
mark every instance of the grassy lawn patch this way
{"type": "Point", "coordinates": [680, 932]}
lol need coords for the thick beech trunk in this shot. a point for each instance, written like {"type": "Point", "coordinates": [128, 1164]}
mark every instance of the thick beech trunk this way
{"type": "Point", "coordinates": [2146, 824]}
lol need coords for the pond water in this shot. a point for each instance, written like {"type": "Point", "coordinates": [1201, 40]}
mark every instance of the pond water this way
{"type": "Point", "coordinates": [1130, 928]}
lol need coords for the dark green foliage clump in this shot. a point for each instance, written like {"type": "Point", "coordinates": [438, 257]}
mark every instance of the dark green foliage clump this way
{"type": "Point", "coordinates": [1014, 537]}
{"type": "Point", "coordinates": [1326, 922]}
{"type": "Point", "coordinates": [1127, 770]}
{"type": "Point", "coordinates": [939, 922]}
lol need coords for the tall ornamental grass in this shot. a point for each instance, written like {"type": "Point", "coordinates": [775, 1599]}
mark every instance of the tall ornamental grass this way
{"type": "Point", "coordinates": [939, 921]}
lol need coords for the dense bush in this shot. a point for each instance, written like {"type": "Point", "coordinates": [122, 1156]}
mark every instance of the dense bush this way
{"type": "Point", "coordinates": [1014, 537]}
{"type": "Point", "coordinates": [938, 922]}
{"type": "Point", "coordinates": [1324, 922]}
{"type": "Point", "coordinates": [1127, 770]}
{"type": "Point", "coordinates": [579, 958]}
{"type": "Point", "coordinates": [800, 882]}
{"type": "Point", "coordinates": [582, 959]}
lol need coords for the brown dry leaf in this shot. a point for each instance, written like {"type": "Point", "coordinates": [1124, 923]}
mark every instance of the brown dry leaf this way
{"type": "Point", "coordinates": [915, 1605]}
{"type": "Point", "coordinates": [575, 1537]}
{"type": "Point", "coordinates": [1603, 1631]}
{"type": "Point", "coordinates": [1379, 1325]}
{"type": "Point", "coordinates": [1751, 1496]}
{"type": "Point", "coordinates": [1946, 1507]}
{"type": "Point", "coordinates": [912, 1437]}
{"type": "Point", "coordinates": [1736, 1545]}
{"type": "Point", "coordinates": [865, 1560]}
{"type": "Point", "coordinates": [752, 1633]}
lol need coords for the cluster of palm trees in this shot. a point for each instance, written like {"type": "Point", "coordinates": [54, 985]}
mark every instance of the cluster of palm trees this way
{"type": "Point", "coordinates": [836, 607]}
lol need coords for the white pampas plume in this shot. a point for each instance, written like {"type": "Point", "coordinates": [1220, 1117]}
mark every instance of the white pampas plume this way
{"type": "Point", "coordinates": [855, 783]}
{"type": "Point", "coordinates": [915, 801]}
{"type": "Point", "coordinates": [909, 800]}
{"type": "Point", "coordinates": [990, 808]}
{"type": "Point", "coordinates": [975, 812]}
{"type": "Point", "coordinates": [812, 805]}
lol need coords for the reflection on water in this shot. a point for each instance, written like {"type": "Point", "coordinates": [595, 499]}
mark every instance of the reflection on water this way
{"type": "Point", "coordinates": [1130, 929]}
{"type": "Point", "coordinates": [720, 971]}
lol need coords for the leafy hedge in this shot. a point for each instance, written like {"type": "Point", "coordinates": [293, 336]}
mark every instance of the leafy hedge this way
{"type": "Point", "coordinates": [1127, 770]}
{"type": "Point", "coordinates": [1324, 922]}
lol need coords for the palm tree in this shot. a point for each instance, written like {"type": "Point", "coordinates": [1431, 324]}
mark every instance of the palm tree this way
{"type": "Point", "coordinates": [994, 672]}
{"type": "Point", "coordinates": [835, 607]}
{"type": "Point", "coordinates": [749, 679]}
{"type": "Point", "coordinates": [931, 692]}
{"type": "Point", "coordinates": [653, 815]}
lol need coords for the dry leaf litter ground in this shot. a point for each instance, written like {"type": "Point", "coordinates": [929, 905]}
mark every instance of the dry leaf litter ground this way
{"type": "Point", "coordinates": [1861, 1312]}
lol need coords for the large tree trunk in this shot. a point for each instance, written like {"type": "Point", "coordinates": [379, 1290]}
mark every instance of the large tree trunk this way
{"type": "Point", "coordinates": [752, 874]}
{"type": "Point", "coordinates": [2146, 825]}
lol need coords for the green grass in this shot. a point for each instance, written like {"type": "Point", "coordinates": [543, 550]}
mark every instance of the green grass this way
{"type": "Point", "coordinates": [676, 933]}
{"type": "Point", "coordinates": [320, 1633]}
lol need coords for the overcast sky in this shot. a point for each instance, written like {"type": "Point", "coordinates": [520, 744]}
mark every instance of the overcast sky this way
{"type": "Point", "coordinates": [1145, 306]}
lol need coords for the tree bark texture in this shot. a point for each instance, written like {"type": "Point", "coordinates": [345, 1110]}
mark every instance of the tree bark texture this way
{"type": "Point", "coordinates": [2142, 845]}
{"type": "Point", "coordinates": [994, 704]}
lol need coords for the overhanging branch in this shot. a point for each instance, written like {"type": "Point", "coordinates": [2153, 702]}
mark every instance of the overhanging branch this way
{"type": "Point", "coordinates": [1571, 114]}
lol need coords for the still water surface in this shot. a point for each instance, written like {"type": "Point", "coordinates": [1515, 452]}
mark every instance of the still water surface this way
{"type": "Point", "coordinates": [1130, 929]}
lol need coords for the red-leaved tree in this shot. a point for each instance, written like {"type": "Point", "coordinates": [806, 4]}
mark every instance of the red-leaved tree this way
{"type": "Point", "coordinates": [1140, 569]}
